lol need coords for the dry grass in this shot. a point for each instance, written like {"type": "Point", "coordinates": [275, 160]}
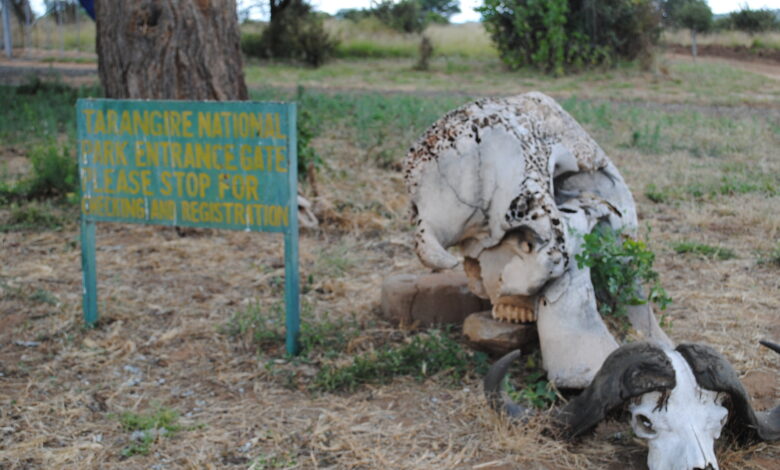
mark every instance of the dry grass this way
{"type": "Point", "coordinates": [164, 297]}
{"type": "Point", "coordinates": [723, 38]}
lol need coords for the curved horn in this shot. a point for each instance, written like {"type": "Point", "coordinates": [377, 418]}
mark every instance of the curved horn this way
{"type": "Point", "coordinates": [773, 346]}
{"type": "Point", "coordinates": [492, 386]}
{"type": "Point", "coordinates": [714, 372]}
{"type": "Point", "coordinates": [629, 371]}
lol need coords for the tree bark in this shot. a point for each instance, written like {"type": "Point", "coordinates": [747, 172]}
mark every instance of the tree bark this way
{"type": "Point", "coordinates": [693, 43]}
{"type": "Point", "coordinates": [170, 49]}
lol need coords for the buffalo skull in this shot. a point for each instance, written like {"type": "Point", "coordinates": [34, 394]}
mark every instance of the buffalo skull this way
{"type": "Point", "coordinates": [679, 401]}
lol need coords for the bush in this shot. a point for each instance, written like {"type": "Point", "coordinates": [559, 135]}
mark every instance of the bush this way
{"type": "Point", "coordinates": [753, 21]}
{"type": "Point", "coordinates": [617, 268]}
{"type": "Point", "coordinates": [55, 175]}
{"type": "Point", "coordinates": [561, 35]}
{"type": "Point", "coordinates": [295, 32]}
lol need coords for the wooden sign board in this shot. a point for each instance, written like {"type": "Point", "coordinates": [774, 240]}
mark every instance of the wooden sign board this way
{"type": "Point", "coordinates": [229, 165]}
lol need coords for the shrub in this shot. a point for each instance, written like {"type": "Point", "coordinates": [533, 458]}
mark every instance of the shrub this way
{"type": "Point", "coordinates": [294, 32]}
{"type": "Point", "coordinates": [753, 21]}
{"type": "Point", "coordinates": [54, 175]}
{"type": "Point", "coordinates": [617, 267]}
{"type": "Point", "coordinates": [561, 35]}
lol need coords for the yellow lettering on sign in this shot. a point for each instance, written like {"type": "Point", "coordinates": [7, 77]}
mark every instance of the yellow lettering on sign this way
{"type": "Point", "coordinates": [88, 119]}
{"type": "Point", "coordinates": [186, 119]}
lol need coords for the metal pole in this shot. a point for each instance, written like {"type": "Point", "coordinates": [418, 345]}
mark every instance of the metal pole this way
{"type": "Point", "coordinates": [7, 28]}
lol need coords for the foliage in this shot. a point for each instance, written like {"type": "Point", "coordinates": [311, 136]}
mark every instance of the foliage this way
{"type": "Point", "coordinates": [148, 427]}
{"type": "Point", "coordinates": [433, 353]}
{"type": "Point", "coordinates": [30, 217]}
{"type": "Point", "coordinates": [39, 111]}
{"type": "Point", "coordinates": [440, 8]}
{"type": "Point", "coordinates": [695, 15]}
{"type": "Point", "coordinates": [54, 175]}
{"type": "Point", "coordinates": [704, 250]}
{"type": "Point", "coordinates": [308, 159]}
{"type": "Point", "coordinates": [264, 329]}
{"type": "Point", "coordinates": [771, 257]}
{"type": "Point", "coordinates": [537, 391]}
{"type": "Point", "coordinates": [295, 32]}
{"type": "Point", "coordinates": [753, 21]}
{"type": "Point", "coordinates": [618, 265]}
{"type": "Point", "coordinates": [562, 35]}
{"type": "Point", "coordinates": [406, 16]}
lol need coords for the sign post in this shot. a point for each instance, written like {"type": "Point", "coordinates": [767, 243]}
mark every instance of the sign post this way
{"type": "Point", "coordinates": [229, 165]}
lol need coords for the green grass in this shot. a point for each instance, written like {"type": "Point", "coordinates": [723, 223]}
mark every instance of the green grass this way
{"type": "Point", "coordinates": [152, 426]}
{"type": "Point", "coordinates": [427, 354]}
{"type": "Point", "coordinates": [771, 257]}
{"type": "Point", "coordinates": [31, 217]}
{"type": "Point", "coordinates": [264, 329]}
{"type": "Point", "coordinates": [39, 111]}
{"type": "Point", "coordinates": [708, 251]}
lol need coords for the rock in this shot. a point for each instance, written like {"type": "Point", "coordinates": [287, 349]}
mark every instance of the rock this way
{"type": "Point", "coordinates": [497, 337]}
{"type": "Point", "coordinates": [429, 299]}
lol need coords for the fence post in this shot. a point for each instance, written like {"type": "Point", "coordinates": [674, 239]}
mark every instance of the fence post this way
{"type": "Point", "coordinates": [7, 28]}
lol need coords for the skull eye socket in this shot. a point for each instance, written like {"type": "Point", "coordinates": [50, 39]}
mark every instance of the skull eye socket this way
{"type": "Point", "coordinates": [644, 424]}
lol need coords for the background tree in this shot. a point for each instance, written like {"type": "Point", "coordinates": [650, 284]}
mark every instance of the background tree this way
{"type": "Point", "coordinates": [564, 35]}
{"type": "Point", "coordinates": [696, 16]}
{"type": "Point", "coordinates": [753, 21]}
{"type": "Point", "coordinates": [295, 32]}
{"type": "Point", "coordinates": [440, 10]}
{"type": "Point", "coordinates": [169, 49]}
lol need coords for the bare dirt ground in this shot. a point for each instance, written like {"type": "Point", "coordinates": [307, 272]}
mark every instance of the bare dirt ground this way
{"type": "Point", "coordinates": [164, 298]}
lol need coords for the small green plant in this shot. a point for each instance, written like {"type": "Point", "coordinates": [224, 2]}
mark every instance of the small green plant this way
{"type": "Point", "coordinates": [266, 462]}
{"type": "Point", "coordinates": [618, 266]}
{"type": "Point", "coordinates": [257, 326]}
{"type": "Point", "coordinates": [264, 329]}
{"type": "Point", "coordinates": [149, 427]}
{"type": "Point", "coordinates": [702, 249]}
{"type": "Point", "coordinates": [537, 391]}
{"type": "Point", "coordinates": [432, 353]}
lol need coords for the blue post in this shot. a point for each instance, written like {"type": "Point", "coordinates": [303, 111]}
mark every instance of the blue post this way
{"type": "Point", "coordinates": [89, 270]}
{"type": "Point", "coordinates": [291, 277]}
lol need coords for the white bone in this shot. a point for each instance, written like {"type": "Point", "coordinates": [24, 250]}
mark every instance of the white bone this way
{"type": "Point", "coordinates": [682, 431]}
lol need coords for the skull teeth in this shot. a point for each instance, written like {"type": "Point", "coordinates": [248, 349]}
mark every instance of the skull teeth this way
{"type": "Point", "coordinates": [513, 313]}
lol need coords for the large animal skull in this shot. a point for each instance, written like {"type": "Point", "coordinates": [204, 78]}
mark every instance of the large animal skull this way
{"type": "Point", "coordinates": [510, 181]}
{"type": "Point", "coordinates": [677, 400]}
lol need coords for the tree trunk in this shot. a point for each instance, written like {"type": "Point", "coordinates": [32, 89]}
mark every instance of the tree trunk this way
{"type": "Point", "coordinates": [170, 49]}
{"type": "Point", "coordinates": [693, 43]}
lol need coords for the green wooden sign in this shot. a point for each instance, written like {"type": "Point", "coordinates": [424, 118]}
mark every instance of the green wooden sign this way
{"type": "Point", "coordinates": [230, 165]}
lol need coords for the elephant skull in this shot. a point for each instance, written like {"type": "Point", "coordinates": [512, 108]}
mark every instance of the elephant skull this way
{"type": "Point", "coordinates": [514, 182]}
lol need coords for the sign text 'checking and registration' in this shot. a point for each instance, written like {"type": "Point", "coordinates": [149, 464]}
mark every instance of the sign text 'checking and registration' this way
{"type": "Point", "coordinates": [229, 165]}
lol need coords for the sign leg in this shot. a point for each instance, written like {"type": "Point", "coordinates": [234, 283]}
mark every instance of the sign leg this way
{"type": "Point", "coordinates": [89, 268]}
{"type": "Point", "coordinates": [291, 296]}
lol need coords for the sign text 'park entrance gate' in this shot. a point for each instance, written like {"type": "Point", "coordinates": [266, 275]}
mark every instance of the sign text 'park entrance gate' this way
{"type": "Point", "coordinates": [229, 165]}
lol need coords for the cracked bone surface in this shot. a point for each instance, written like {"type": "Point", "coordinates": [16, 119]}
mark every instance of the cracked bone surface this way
{"type": "Point", "coordinates": [504, 179]}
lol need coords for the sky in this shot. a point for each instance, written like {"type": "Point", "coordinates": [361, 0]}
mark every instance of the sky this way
{"type": "Point", "coordinates": [467, 6]}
